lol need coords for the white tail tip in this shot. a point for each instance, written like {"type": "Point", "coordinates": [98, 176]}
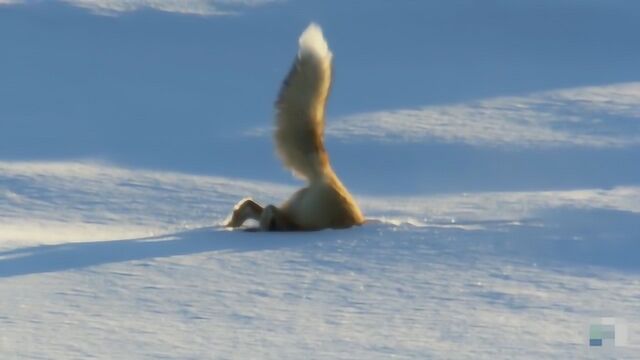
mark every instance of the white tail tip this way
{"type": "Point", "coordinates": [312, 42]}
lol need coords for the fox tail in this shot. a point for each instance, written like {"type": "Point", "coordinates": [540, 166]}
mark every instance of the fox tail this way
{"type": "Point", "coordinates": [301, 105]}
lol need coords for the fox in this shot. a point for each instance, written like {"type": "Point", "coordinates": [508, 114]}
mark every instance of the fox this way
{"type": "Point", "coordinates": [299, 140]}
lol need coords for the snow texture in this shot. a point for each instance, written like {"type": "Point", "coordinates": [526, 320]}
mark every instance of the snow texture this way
{"type": "Point", "coordinates": [107, 262]}
{"type": "Point", "coordinates": [190, 7]}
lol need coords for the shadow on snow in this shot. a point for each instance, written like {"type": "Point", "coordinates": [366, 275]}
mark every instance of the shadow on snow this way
{"type": "Point", "coordinates": [61, 257]}
{"type": "Point", "coordinates": [564, 238]}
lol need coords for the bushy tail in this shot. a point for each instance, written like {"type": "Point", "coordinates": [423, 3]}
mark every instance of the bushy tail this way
{"type": "Point", "coordinates": [301, 106]}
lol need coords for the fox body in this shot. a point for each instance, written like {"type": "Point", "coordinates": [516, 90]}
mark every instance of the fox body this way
{"type": "Point", "coordinates": [324, 202]}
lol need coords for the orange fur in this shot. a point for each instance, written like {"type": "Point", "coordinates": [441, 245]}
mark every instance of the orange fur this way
{"type": "Point", "coordinates": [324, 202]}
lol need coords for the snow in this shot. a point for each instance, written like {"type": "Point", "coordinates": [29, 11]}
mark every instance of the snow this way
{"type": "Point", "coordinates": [503, 216]}
{"type": "Point", "coordinates": [105, 262]}
{"type": "Point", "coordinates": [190, 7]}
{"type": "Point", "coordinates": [589, 117]}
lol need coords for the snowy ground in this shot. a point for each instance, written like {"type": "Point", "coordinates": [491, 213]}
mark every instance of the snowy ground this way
{"type": "Point", "coordinates": [493, 147]}
{"type": "Point", "coordinates": [100, 261]}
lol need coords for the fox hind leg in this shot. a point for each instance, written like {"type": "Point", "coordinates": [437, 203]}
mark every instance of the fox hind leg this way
{"type": "Point", "coordinates": [246, 209]}
{"type": "Point", "coordinates": [270, 217]}
{"type": "Point", "coordinates": [274, 219]}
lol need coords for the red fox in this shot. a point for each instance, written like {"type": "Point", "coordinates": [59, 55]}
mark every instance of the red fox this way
{"type": "Point", "coordinates": [324, 202]}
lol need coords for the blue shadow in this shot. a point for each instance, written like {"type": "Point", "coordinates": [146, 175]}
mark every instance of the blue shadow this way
{"type": "Point", "coordinates": [61, 257]}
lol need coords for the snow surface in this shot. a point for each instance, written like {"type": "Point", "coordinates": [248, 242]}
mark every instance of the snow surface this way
{"type": "Point", "coordinates": [106, 262]}
{"type": "Point", "coordinates": [494, 150]}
